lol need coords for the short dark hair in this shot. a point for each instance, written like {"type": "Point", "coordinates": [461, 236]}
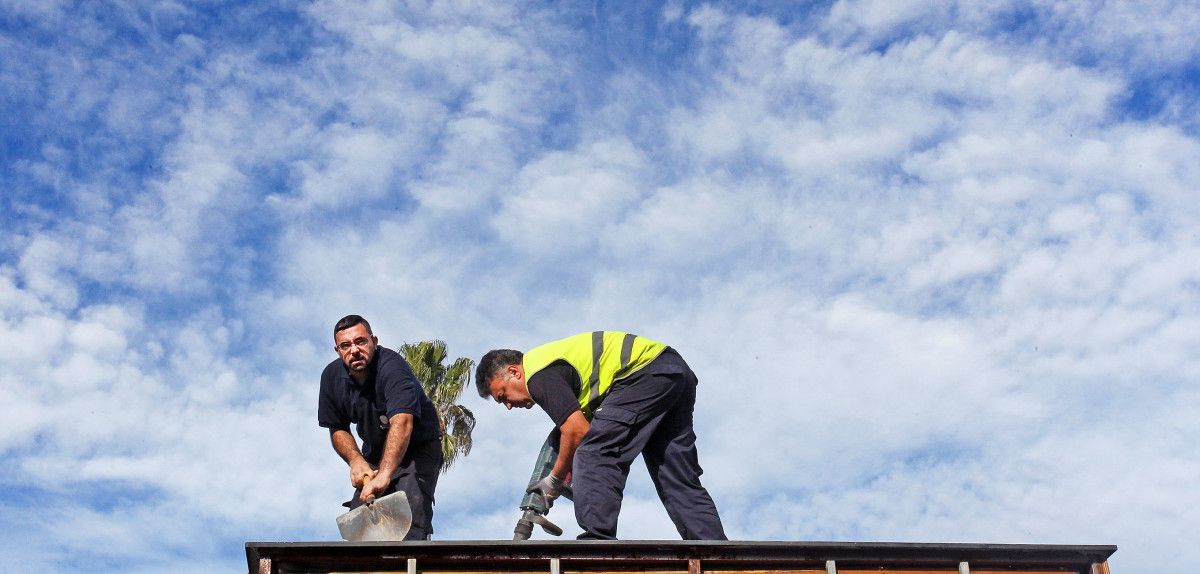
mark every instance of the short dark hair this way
{"type": "Point", "coordinates": [490, 364]}
{"type": "Point", "coordinates": [350, 321]}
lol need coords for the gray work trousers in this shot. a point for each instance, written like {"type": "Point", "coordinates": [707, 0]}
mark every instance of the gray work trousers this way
{"type": "Point", "coordinates": [649, 415]}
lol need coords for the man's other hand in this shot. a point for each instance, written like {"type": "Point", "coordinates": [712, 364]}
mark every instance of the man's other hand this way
{"type": "Point", "coordinates": [373, 487]}
{"type": "Point", "coordinates": [360, 472]}
{"type": "Point", "coordinates": [550, 487]}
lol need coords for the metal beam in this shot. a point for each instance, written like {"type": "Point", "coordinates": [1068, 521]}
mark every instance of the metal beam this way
{"type": "Point", "coordinates": [721, 555]}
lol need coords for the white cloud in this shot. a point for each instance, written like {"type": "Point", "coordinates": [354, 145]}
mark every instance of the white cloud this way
{"type": "Point", "coordinates": [880, 20]}
{"type": "Point", "coordinates": [48, 9]}
{"type": "Point", "coordinates": [359, 166]}
{"type": "Point", "coordinates": [41, 265]}
{"type": "Point", "coordinates": [561, 201]}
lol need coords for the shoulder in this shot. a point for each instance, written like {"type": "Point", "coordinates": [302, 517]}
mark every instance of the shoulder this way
{"type": "Point", "coordinates": [390, 362]}
{"type": "Point", "coordinates": [335, 382]}
{"type": "Point", "coordinates": [557, 376]}
{"type": "Point", "coordinates": [389, 357]}
{"type": "Point", "coordinates": [558, 369]}
{"type": "Point", "coordinates": [332, 371]}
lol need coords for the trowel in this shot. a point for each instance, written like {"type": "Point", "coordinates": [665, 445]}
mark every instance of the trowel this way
{"type": "Point", "coordinates": [386, 518]}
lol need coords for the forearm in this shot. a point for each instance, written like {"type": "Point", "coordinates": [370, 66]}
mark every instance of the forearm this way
{"type": "Point", "coordinates": [570, 435]}
{"type": "Point", "coordinates": [399, 433]}
{"type": "Point", "coordinates": [344, 444]}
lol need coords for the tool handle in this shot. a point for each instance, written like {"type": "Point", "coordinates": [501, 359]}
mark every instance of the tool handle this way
{"type": "Point", "coordinates": [541, 468]}
{"type": "Point", "coordinates": [366, 477]}
{"type": "Point", "coordinates": [530, 517]}
{"type": "Point", "coordinates": [550, 527]}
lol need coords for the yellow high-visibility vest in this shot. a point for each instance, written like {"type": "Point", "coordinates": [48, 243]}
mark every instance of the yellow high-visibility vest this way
{"type": "Point", "coordinates": [600, 357]}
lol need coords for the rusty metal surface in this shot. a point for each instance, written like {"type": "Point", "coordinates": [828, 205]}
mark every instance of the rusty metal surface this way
{"type": "Point", "coordinates": [499, 555]}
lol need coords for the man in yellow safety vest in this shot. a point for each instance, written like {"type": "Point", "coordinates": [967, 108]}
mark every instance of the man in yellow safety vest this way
{"type": "Point", "coordinates": [613, 395]}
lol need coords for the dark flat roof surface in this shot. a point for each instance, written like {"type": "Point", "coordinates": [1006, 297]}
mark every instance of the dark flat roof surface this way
{"type": "Point", "coordinates": [536, 554]}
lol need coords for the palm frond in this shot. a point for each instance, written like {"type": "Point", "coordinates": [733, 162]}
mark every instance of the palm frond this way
{"type": "Point", "coordinates": [444, 385]}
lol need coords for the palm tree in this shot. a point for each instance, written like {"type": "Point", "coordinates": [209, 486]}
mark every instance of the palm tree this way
{"type": "Point", "coordinates": [444, 385]}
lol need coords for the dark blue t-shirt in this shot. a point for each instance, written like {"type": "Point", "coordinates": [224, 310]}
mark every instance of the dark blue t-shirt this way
{"type": "Point", "coordinates": [390, 389]}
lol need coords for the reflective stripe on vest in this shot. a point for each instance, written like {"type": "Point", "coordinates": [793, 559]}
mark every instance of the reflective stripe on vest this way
{"type": "Point", "coordinates": [600, 357]}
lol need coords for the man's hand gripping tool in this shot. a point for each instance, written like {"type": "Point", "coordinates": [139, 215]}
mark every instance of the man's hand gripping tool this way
{"type": "Point", "coordinates": [534, 506]}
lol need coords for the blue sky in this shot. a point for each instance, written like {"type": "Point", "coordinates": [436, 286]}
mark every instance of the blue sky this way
{"type": "Point", "coordinates": [936, 266]}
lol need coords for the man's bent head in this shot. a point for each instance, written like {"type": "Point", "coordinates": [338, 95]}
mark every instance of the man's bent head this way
{"type": "Point", "coordinates": [501, 377]}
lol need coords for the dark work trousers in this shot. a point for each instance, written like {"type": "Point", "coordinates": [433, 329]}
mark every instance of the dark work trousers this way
{"type": "Point", "coordinates": [417, 476]}
{"type": "Point", "coordinates": [649, 415]}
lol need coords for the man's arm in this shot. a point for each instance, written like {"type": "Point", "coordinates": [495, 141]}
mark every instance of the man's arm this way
{"type": "Point", "coordinates": [400, 428]}
{"type": "Point", "coordinates": [551, 388]}
{"type": "Point", "coordinates": [347, 448]}
{"type": "Point", "coordinates": [571, 434]}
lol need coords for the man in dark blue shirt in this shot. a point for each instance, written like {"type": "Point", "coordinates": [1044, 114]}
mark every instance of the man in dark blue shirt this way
{"type": "Point", "coordinates": [375, 389]}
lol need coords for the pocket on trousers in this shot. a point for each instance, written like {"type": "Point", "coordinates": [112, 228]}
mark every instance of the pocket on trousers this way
{"type": "Point", "coordinates": [610, 431]}
{"type": "Point", "coordinates": [615, 414]}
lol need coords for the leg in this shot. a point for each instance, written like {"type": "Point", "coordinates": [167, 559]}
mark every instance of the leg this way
{"type": "Point", "coordinates": [417, 477]}
{"type": "Point", "coordinates": [619, 431]}
{"type": "Point", "coordinates": [674, 467]}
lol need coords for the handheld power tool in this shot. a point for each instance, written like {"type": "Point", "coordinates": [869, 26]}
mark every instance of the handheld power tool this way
{"type": "Point", "coordinates": [534, 506]}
